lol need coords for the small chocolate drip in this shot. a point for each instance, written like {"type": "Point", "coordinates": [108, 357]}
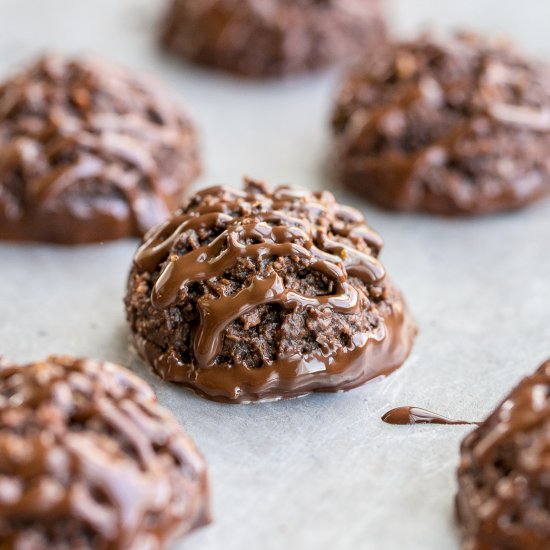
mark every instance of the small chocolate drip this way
{"type": "Point", "coordinates": [406, 416]}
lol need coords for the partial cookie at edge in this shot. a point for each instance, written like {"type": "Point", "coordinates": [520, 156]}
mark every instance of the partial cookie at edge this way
{"type": "Point", "coordinates": [503, 490]}
{"type": "Point", "coordinates": [89, 460]}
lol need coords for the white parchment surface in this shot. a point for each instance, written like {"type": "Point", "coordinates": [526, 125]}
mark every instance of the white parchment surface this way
{"type": "Point", "coordinates": [322, 472]}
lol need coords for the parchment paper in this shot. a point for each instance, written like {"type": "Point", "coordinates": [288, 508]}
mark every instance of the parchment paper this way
{"type": "Point", "coordinates": [323, 471]}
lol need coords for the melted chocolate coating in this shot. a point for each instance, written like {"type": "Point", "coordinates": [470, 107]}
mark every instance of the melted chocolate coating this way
{"type": "Point", "coordinates": [504, 472]}
{"type": "Point", "coordinates": [89, 460]}
{"type": "Point", "coordinates": [272, 37]}
{"type": "Point", "coordinates": [455, 127]}
{"type": "Point", "coordinates": [262, 294]}
{"type": "Point", "coordinates": [89, 152]}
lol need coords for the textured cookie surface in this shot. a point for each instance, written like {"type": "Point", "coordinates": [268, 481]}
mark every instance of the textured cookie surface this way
{"type": "Point", "coordinates": [89, 152]}
{"type": "Point", "coordinates": [90, 461]}
{"type": "Point", "coordinates": [266, 293]}
{"type": "Point", "coordinates": [450, 127]}
{"type": "Point", "coordinates": [272, 37]}
{"type": "Point", "coordinates": [503, 478]}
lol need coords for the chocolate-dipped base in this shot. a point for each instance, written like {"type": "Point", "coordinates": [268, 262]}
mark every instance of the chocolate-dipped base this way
{"type": "Point", "coordinates": [265, 294]}
{"type": "Point", "coordinates": [504, 472]}
{"type": "Point", "coordinates": [90, 461]}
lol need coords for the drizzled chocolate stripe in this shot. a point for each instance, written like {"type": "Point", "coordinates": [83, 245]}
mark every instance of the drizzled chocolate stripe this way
{"type": "Point", "coordinates": [160, 240]}
{"type": "Point", "coordinates": [217, 314]}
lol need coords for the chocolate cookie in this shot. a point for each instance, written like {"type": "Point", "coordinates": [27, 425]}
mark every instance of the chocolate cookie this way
{"type": "Point", "coordinates": [263, 294]}
{"type": "Point", "coordinates": [89, 152]}
{"type": "Point", "coordinates": [454, 127]}
{"type": "Point", "coordinates": [90, 461]}
{"type": "Point", "coordinates": [503, 487]}
{"type": "Point", "coordinates": [272, 37]}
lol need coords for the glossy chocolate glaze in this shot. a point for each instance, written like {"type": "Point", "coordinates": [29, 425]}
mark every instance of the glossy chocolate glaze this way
{"type": "Point", "coordinates": [405, 416]}
{"type": "Point", "coordinates": [503, 493]}
{"type": "Point", "coordinates": [88, 459]}
{"type": "Point", "coordinates": [424, 125]}
{"type": "Point", "coordinates": [279, 227]}
{"type": "Point", "coordinates": [89, 152]}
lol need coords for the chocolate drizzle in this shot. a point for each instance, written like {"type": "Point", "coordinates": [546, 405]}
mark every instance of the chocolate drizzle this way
{"type": "Point", "coordinates": [89, 460]}
{"type": "Point", "coordinates": [260, 227]}
{"type": "Point", "coordinates": [404, 416]}
{"type": "Point", "coordinates": [89, 152]}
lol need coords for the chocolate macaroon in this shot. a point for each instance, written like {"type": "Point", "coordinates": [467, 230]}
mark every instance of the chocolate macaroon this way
{"type": "Point", "coordinates": [272, 37]}
{"type": "Point", "coordinates": [264, 294]}
{"type": "Point", "coordinates": [452, 127]}
{"type": "Point", "coordinates": [504, 472]}
{"type": "Point", "coordinates": [90, 461]}
{"type": "Point", "coordinates": [89, 152]}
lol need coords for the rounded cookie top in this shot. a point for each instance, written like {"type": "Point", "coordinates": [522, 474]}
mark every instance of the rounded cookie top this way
{"type": "Point", "coordinates": [503, 489]}
{"type": "Point", "coordinates": [272, 37]}
{"type": "Point", "coordinates": [89, 460]}
{"type": "Point", "coordinates": [266, 293]}
{"type": "Point", "coordinates": [89, 152]}
{"type": "Point", "coordinates": [450, 127]}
